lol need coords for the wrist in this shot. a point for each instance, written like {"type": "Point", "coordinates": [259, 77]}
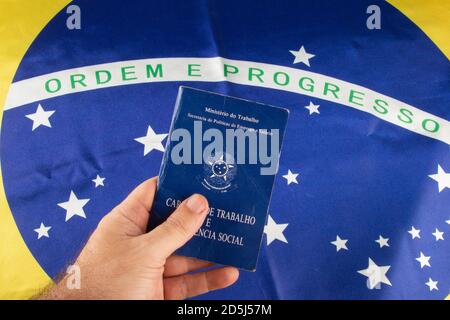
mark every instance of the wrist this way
{"type": "Point", "coordinates": [60, 291]}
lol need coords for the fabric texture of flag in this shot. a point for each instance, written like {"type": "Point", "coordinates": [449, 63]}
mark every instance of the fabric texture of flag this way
{"type": "Point", "coordinates": [360, 208]}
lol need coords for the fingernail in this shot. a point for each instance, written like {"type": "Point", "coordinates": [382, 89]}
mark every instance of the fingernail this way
{"type": "Point", "coordinates": [196, 203]}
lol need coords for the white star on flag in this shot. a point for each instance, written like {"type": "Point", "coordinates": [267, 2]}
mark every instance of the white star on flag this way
{"type": "Point", "coordinates": [442, 178]}
{"type": "Point", "coordinates": [376, 274]}
{"type": "Point", "coordinates": [432, 284]}
{"type": "Point", "coordinates": [448, 221]}
{"type": "Point", "coordinates": [340, 243]}
{"type": "Point", "coordinates": [301, 56]}
{"type": "Point", "coordinates": [74, 206]}
{"type": "Point", "coordinates": [313, 108]}
{"type": "Point", "coordinates": [423, 260]}
{"type": "Point", "coordinates": [291, 177]}
{"type": "Point", "coordinates": [99, 181]}
{"type": "Point", "coordinates": [40, 117]}
{"type": "Point", "coordinates": [152, 141]}
{"type": "Point", "coordinates": [274, 231]}
{"type": "Point", "coordinates": [42, 231]}
{"type": "Point", "coordinates": [439, 235]}
{"type": "Point", "coordinates": [383, 242]}
{"type": "Point", "coordinates": [415, 233]}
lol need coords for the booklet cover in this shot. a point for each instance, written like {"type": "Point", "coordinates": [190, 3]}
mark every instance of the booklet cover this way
{"type": "Point", "coordinates": [228, 150]}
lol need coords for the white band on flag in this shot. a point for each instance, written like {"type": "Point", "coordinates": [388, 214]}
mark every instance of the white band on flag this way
{"type": "Point", "coordinates": [218, 69]}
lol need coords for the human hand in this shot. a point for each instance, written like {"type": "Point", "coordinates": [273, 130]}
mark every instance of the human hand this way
{"type": "Point", "coordinates": [122, 261]}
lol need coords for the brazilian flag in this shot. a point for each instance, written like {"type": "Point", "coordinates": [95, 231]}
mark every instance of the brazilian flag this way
{"type": "Point", "coordinates": [360, 205]}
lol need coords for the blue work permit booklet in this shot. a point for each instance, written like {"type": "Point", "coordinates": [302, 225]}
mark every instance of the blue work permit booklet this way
{"type": "Point", "coordinates": [228, 150]}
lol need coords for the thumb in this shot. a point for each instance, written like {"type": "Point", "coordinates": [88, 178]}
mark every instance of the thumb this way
{"type": "Point", "coordinates": [180, 227]}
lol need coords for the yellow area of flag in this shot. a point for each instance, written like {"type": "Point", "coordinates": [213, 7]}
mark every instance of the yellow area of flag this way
{"type": "Point", "coordinates": [20, 22]}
